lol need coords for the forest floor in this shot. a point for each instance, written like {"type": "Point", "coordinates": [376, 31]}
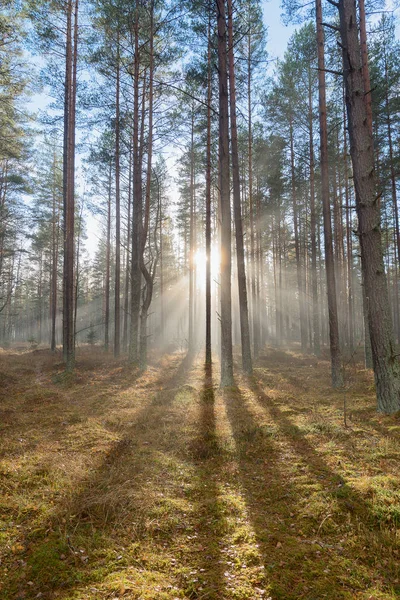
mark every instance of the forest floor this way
{"type": "Point", "coordinates": [160, 486]}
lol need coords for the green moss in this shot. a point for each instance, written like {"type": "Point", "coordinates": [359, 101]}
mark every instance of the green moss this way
{"type": "Point", "coordinates": [50, 564]}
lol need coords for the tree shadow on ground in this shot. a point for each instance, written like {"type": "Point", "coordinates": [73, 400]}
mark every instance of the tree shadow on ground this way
{"type": "Point", "coordinates": [270, 497]}
{"type": "Point", "coordinates": [80, 542]}
{"type": "Point", "coordinates": [328, 410]}
{"type": "Point", "coordinates": [346, 513]}
{"type": "Point", "coordinates": [207, 456]}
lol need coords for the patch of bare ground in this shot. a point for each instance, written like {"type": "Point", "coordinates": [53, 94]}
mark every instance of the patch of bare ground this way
{"type": "Point", "coordinates": [159, 486]}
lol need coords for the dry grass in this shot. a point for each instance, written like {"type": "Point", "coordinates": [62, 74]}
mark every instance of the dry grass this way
{"type": "Point", "coordinates": [158, 486]}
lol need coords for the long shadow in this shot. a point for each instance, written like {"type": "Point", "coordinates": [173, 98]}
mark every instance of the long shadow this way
{"type": "Point", "coordinates": [347, 496]}
{"type": "Point", "coordinates": [270, 498]}
{"type": "Point", "coordinates": [360, 416]}
{"type": "Point", "coordinates": [354, 508]}
{"type": "Point", "coordinates": [275, 358]}
{"type": "Point", "coordinates": [306, 451]}
{"type": "Point", "coordinates": [276, 497]}
{"type": "Point", "coordinates": [57, 556]}
{"type": "Point", "coordinates": [211, 522]}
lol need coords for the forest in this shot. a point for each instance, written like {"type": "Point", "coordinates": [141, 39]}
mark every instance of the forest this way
{"type": "Point", "coordinates": [199, 300]}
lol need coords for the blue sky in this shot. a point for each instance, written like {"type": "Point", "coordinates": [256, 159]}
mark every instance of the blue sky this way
{"type": "Point", "coordinates": [278, 33]}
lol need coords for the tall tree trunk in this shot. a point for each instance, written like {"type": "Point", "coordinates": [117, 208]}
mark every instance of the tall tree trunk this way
{"type": "Point", "coordinates": [299, 266]}
{"type": "Point", "coordinates": [349, 244]}
{"type": "Point", "coordinates": [108, 269]}
{"type": "Point", "coordinates": [67, 281]}
{"type": "Point", "coordinates": [148, 274]}
{"type": "Point", "coordinates": [368, 110]}
{"type": "Point", "coordinates": [255, 316]}
{"type": "Point", "coordinates": [386, 365]}
{"type": "Point", "coordinates": [127, 257]}
{"type": "Point", "coordinates": [69, 178]}
{"type": "Point", "coordinates": [391, 161]}
{"type": "Point", "coordinates": [241, 270]}
{"type": "Point", "coordinates": [225, 207]}
{"type": "Point", "coordinates": [54, 259]}
{"type": "Point", "coordinates": [394, 200]}
{"type": "Point", "coordinates": [162, 308]}
{"type": "Point", "coordinates": [191, 242]}
{"type": "Point", "coordinates": [117, 297]}
{"type": "Point", "coordinates": [337, 379]}
{"type": "Point", "coordinates": [313, 226]}
{"type": "Point", "coordinates": [259, 266]}
{"type": "Point", "coordinates": [77, 269]}
{"type": "Point", "coordinates": [208, 358]}
{"type": "Point", "coordinates": [136, 275]}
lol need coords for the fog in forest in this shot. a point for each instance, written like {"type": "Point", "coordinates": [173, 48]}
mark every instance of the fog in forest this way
{"type": "Point", "coordinates": [182, 189]}
{"type": "Point", "coordinates": [199, 300]}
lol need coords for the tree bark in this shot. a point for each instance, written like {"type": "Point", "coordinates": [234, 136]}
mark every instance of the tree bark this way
{"type": "Point", "coordinates": [385, 363]}
{"type": "Point", "coordinates": [117, 296]}
{"type": "Point", "coordinates": [225, 207]}
{"type": "Point", "coordinates": [69, 177]}
{"type": "Point", "coordinates": [299, 265]}
{"type": "Point", "coordinates": [191, 242]}
{"type": "Point", "coordinates": [127, 257]}
{"type": "Point", "coordinates": [337, 379]}
{"type": "Point", "coordinates": [364, 64]}
{"type": "Point", "coordinates": [136, 276]}
{"type": "Point", "coordinates": [313, 226]}
{"type": "Point", "coordinates": [254, 303]}
{"type": "Point", "coordinates": [108, 269]}
{"type": "Point", "coordinates": [54, 257]}
{"type": "Point", "coordinates": [241, 269]}
{"type": "Point", "coordinates": [208, 357]}
{"type": "Point", "coordinates": [147, 274]}
{"type": "Point", "coordinates": [349, 244]}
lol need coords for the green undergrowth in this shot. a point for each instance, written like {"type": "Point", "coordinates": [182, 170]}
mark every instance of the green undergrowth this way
{"type": "Point", "coordinates": [161, 486]}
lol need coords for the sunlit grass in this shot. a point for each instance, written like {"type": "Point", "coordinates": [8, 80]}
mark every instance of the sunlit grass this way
{"type": "Point", "coordinates": [158, 486]}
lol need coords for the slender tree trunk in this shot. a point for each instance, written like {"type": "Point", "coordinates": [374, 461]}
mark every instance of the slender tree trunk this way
{"type": "Point", "coordinates": [394, 199]}
{"type": "Point", "coordinates": [148, 275]}
{"type": "Point", "coordinates": [136, 276]}
{"type": "Point", "coordinates": [299, 266]}
{"type": "Point", "coordinates": [241, 270]}
{"type": "Point", "coordinates": [162, 308]}
{"type": "Point", "coordinates": [386, 365]}
{"type": "Point", "coordinates": [395, 303]}
{"type": "Point", "coordinates": [391, 162]}
{"type": "Point", "coordinates": [208, 358]}
{"type": "Point", "coordinates": [108, 270]}
{"type": "Point", "coordinates": [191, 242]}
{"type": "Point", "coordinates": [337, 379]}
{"type": "Point", "coordinates": [258, 266]}
{"type": "Point", "coordinates": [54, 260]}
{"type": "Point", "coordinates": [39, 316]}
{"type": "Point", "coordinates": [225, 207]}
{"type": "Point", "coordinates": [368, 109]}
{"type": "Point", "coordinates": [69, 177]}
{"type": "Point", "coordinates": [67, 281]}
{"type": "Point", "coordinates": [313, 227]}
{"type": "Point", "coordinates": [77, 270]}
{"type": "Point", "coordinates": [256, 326]}
{"type": "Point", "coordinates": [127, 257]}
{"type": "Point", "coordinates": [349, 244]}
{"type": "Point", "coordinates": [117, 297]}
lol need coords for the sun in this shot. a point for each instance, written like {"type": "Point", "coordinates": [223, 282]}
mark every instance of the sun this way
{"type": "Point", "coordinates": [200, 263]}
